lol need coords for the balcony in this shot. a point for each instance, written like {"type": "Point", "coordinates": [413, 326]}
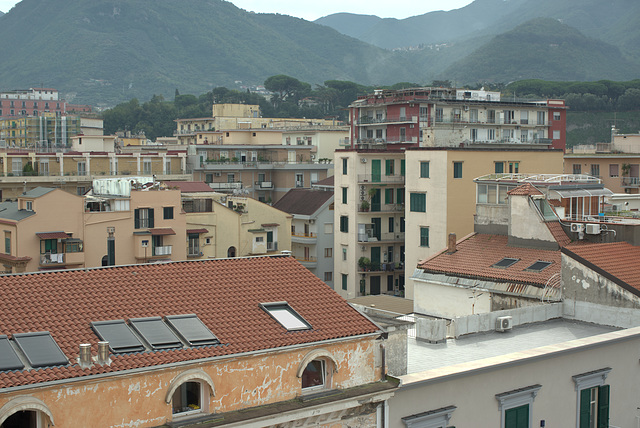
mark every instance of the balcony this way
{"type": "Point", "coordinates": [162, 251]}
{"type": "Point", "coordinates": [52, 259]}
{"type": "Point", "coordinates": [630, 181]}
{"type": "Point", "coordinates": [366, 120]}
{"type": "Point", "coordinates": [380, 267]}
{"type": "Point", "coordinates": [382, 208]}
{"type": "Point", "coordinates": [375, 178]}
{"type": "Point", "coordinates": [264, 185]}
{"type": "Point", "coordinates": [308, 262]}
{"type": "Point", "coordinates": [304, 238]}
{"type": "Point", "coordinates": [226, 186]}
{"type": "Point", "coordinates": [272, 246]}
{"type": "Point", "coordinates": [383, 238]}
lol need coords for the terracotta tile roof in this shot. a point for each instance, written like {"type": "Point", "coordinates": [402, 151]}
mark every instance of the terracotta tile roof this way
{"type": "Point", "coordinates": [477, 253]}
{"type": "Point", "coordinates": [616, 260]}
{"type": "Point", "coordinates": [225, 294]}
{"type": "Point", "coordinates": [190, 186]}
{"type": "Point", "coordinates": [558, 233]}
{"type": "Point", "coordinates": [162, 231]}
{"type": "Point", "coordinates": [52, 235]}
{"type": "Point", "coordinates": [525, 190]}
{"type": "Point", "coordinates": [303, 201]}
{"type": "Point", "coordinates": [197, 230]}
{"type": "Point", "coordinates": [326, 182]}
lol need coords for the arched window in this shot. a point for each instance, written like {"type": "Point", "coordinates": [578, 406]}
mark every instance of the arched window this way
{"type": "Point", "coordinates": [314, 375]}
{"type": "Point", "coordinates": [25, 412]}
{"type": "Point", "coordinates": [190, 392]}
{"type": "Point", "coordinates": [231, 252]}
{"type": "Point", "coordinates": [315, 370]}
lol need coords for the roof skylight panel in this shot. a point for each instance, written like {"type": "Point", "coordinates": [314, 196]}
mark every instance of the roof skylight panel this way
{"type": "Point", "coordinates": [286, 316]}
{"type": "Point", "coordinates": [120, 337]}
{"type": "Point", "coordinates": [40, 349]}
{"type": "Point", "coordinates": [8, 358]}
{"type": "Point", "coordinates": [192, 330]}
{"type": "Point", "coordinates": [156, 332]}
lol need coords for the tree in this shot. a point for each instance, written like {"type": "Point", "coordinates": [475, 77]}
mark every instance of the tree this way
{"type": "Point", "coordinates": [287, 88]}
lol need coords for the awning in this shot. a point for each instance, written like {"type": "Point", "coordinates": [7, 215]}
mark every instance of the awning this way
{"type": "Point", "coordinates": [197, 230]}
{"type": "Point", "coordinates": [583, 193]}
{"type": "Point", "coordinates": [52, 235]}
{"type": "Point", "coordinates": [270, 225]}
{"type": "Point", "coordinates": [163, 231]}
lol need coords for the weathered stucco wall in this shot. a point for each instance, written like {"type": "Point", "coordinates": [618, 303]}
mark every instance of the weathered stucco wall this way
{"type": "Point", "coordinates": [138, 400]}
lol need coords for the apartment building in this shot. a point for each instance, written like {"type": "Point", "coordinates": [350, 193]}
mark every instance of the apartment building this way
{"type": "Point", "coordinates": [447, 117]}
{"type": "Point", "coordinates": [74, 171]}
{"type": "Point", "coordinates": [394, 207]}
{"type": "Point", "coordinates": [264, 173]}
{"type": "Point", "coordinates": [31, 102]}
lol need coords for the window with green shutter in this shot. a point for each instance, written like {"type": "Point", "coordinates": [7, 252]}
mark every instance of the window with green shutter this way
{"type": "Point", "coordinates": [457, 170]}
{"type": "Point", "coordinates": [344, 195]}
{"type": "Point", "coordinates": [424, 236]}
{"type": "Point", "coordinates": [518, 417]}
{"type": "Point", "coordinates": [344, 223]}
{"type": "Point", "coordinates": [344, 166]}
{"type": "Point", "coordinates": [593, 397]}
{"type": "Point", "coordinates": [400, 196]}
{"type": "Point", "coordinates": [388, 196]}
{"type": "Point", "coordinates": [499, 167]}
{"type": "Point", "coordinates": [388, 166]}
{"type": "Point", "coordinates": [344, 281]}
{"type": "Point", "coordinates": [402, 167]}
{"type": "Point", "coordinates": [418, 202]}
{"type": "Point", "coordinates": [424, 169]}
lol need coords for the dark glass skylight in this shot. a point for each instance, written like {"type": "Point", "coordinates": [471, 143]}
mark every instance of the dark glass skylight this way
{"type": "Point", "coordinates": [8, 358]}
{"type": "Point", "coordinates": [538, 266]}
{"type": "Point", "coordinates": [120, 337]}
{"type": "Point", "coordinates": [286, 316]}
{"type": "Point", "coordinates": [156, 332]}
{"type": "Point", "coordinates": [40, 349]}
{"type": "Point", "coordinates": [192, 330]}
{"type": "Point", "coordinates": [505, 263]}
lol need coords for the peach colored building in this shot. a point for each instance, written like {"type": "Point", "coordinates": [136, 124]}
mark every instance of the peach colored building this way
{"type": "Point", "coordinates": [229, 343]}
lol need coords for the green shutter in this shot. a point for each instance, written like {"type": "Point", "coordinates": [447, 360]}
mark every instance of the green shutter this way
{"type": "Point", "coordinates": [388, 167]}
{"type": "Point", "coordinates": [388, 196]}
{"type": "Point", "coordinates": [151, 222]}
{"type": "Point", "coordinates": [518, 417]}
{"type": "Point", "coordinates": [402, 167]}
{"type": "Point", "coordinates": [344, 195]}
{"type": "Point", "coordinates": [424, 169]}
{"type": "Point", "coordinates": [603, 406]}
{"type": "Point", "coordinates": [375, 171]}
{"type": "Point", "coordinates": [499, 167]}
{"type": "Point", "coordinates": [400, 196]}
{"type": "Point", "coordinates": [585, 404]}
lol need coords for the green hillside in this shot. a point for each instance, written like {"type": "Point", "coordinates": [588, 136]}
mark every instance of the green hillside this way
{"type": "Point", "coordinates": [586, 127]}
{"type": "Point", "coordinates": [542, 48]}
{"type": "Point", "coordinates": [108, 51]}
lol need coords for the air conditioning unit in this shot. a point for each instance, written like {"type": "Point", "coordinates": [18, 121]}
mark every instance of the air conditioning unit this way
{"type": "Point", "coordinates": [363, 160]}
{"type": "Point", "coordinates": [593, 229]}
{"type": "Point", "coordinates": [577, 227]}
{"type": "Point", "coordinates": [504, 323]}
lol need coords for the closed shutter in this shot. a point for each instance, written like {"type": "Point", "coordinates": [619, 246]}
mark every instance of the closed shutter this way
{"type": "Point", "coordinates": [150, 210]}
{"type": "Point", "coordinates": [585, 407]}
{"type": "Point", "coordinates": [603, 406]}
{"type": "Point", "coordinates": [136, 218]}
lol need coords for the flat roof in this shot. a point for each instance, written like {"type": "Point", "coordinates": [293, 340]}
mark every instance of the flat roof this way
{"type": "Point", "coordinates": [424, 356]}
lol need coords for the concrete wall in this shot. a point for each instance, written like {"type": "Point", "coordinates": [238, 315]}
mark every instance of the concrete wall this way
{"type": "Point", "coordinates": [585, 285]}
{"type": "Point", "coordinates": [448, 301]}
{"type": "Point", "coordinates": [472, 387]}
{"type": "Point", "coordinates": [525, 223]}
{"type": "Point", "coordinates": [138, 400]}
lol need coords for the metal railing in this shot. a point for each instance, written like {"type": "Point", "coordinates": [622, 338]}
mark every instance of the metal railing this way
{"type": "Point", "coordinates": [375, 178]}
{"type": "Point", "coordinates": [162, 251]}
{"type": "Point", "coordinates": [52, 258]}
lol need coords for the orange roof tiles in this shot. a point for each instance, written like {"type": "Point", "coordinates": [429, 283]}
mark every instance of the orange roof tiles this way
{"type": "Point", "coordinates": [225, 294]}
{"type": "Point", "coordinates": [525, 190]}
{"type": "Point", "coordinates": [616, 260]}
{"type": "Point", "coordinates": [558, 233]}
{"type": "Point", "coordinates": [477, 253]}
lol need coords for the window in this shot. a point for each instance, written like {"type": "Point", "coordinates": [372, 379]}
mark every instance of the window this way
{"type": "Point", "coordinates": [595, 170]}
{"type": "Point", "coordinates": [155, 332]}
{"type": "Point", "coordinates": [424, 236]}
{"type": "Point", "coordinates": [491, 116]}
{"type": "Point", "coordinates": [193, 248]}
{"type": "Point", "coordinates": [187, 398]}
{"type": "Point", "coordinates": [344, 195]}
{"type": "Point", "coordinates": [314, 375]}
{"type": "Point", "coordinates": [556, 115]}
{"type": "Point", "coordinates": [328, 277]}
{"type": "Point", "coordinates": [556, 134]}
{"type": "Point", "coordinates": [593, 399]}
{"type": "Point", "coordinates": [388, 196]}
{"type": "Point", "coordinates": [402, 224]}
{"type": "Point", "coordinates": [505, 263]}
{"type": "Point", "coordinates": [344, 254]}
{"type": "Point", "coordinates": [82, 168]}
{"type": "Point", "coordinates": [509, 116]}
{"type": "Point", "coordinates": [439, 114]}
{"type": "Point", "coordinates": [299, 180]}
{"type": "Point", "coordinates": [328, 228]}
{"type": "Point", "coordinates": [29, 205]}
{"type": "Point", "coordinates": [438, 418]}
{"type": "Point", "coordinates": [499, 167]}
{"type": "Point", "coordinates": [400, 196]}
{"type": "Point", "coordinates": [344, 223]}
{"type": "Point", "coordinates": [524, 117]}
{"type": "Point", "coordinates": [424, 169]}
{"type": "Point", "coordinates": [146, 166]}
{"type": "Point", "coordinates": [457, 170]}
{"type": "Point", "coordinates": [344, 281]}
{"type": "Point", "coordinates": [168, 213]}
{"type": "Point", "coordinates": [473, 134]}
{"type": "Point", "coordinates": [143, 218]}
{"type": "Point", "coordinates": [577, 169]}
{"type": "Point", "coordinates": [286, 316]}
{"type": "Point", "coordinates": [7, 242]}
{"type": "Point", "coordinates": [491, 134]}
{"type": "Point", "coordinates": [538, 266]}
{"type": "Point", "coordinates": [344, 166]}
{"type": "Point", "coordinates": [418, 202]}
{"type": "Point", "coordinates": [231, 178]}
{"type": "Point", "coordinates": [389, 166]}
{"type": "Point", "coordinates": [328, 252]}
{"type": "Point", "coordinates": [391, 224]}
{"type": "Point", "coordinates": [515, 407]}
{"type": "Point", "coordinates": [514, 167]}
{"type": "Point", "coordinates": [541, 118]}
{"type": "Point", "coordinates": [473, 115]}
{"type": "Point", "coordinates": [613, 170]}
{"type": "Point", "coordinates": [48, 246]}
{"type": "Point", "coordinates": [81, 190]}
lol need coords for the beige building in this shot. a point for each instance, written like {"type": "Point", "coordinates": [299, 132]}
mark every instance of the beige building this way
{"type": "Point", "coordinates": [75, 171]}
{"type": "Point", "coordinates": [220, 225]}
{"type": "Point", "coordinates": [395, 208]}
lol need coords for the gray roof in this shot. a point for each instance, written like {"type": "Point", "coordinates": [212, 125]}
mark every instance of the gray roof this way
{"type": "Point", "coordinates": [10, 211]}
{"type": "Point", "coordinates": [38, 191]}
{"type": "Point", "coordinates": [426, 356]}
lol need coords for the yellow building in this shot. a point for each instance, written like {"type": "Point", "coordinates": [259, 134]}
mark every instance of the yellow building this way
{"type": "Point", "coordinates": [394, 208]}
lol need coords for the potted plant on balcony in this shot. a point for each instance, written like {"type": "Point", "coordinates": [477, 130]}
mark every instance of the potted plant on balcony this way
{"type": "Point", "coordinates": [364, 263]}
{"type": "Point", "coordinates": [364, 205]}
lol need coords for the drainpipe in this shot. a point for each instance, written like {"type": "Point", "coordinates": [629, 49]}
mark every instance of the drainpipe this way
{"type": "Point", "coordinates": [384, 361]}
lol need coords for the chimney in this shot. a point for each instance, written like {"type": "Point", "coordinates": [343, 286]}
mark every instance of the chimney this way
{"type": "Point", "coordinates": [451, 247]}
{"type": "Point", "coordinates": [84, 359]}
{"type": "Point", "coordinates": [103, 354]}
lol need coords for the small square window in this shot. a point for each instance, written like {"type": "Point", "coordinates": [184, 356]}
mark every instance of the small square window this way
{"type": "Point", "coordinates": [328, 276]}
{"type": "Point", "coordinates": [328, 252]}
{"type": "Point", "coordinates": [168, 213]}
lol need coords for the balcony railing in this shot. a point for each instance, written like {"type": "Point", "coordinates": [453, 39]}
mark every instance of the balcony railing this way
{"type": "Point", "coordinates": [272, 246]}
{"type": "Point", "coordinates": [52, 259]}
{"type": "Point", "coordinates": [631, 181]}
{"type": "Point", "coordinates": [162, 251]}
{"type": "Point", "coordinates": [225, 186]}
{"type": "Point", "coordinates": [264, 184]}
{"type": "Point", "coordinates": [366, 120]}
{"type": "Point", "coordinates": [305, 235]}
{"type": "Point", "coordinates": [374, 178]}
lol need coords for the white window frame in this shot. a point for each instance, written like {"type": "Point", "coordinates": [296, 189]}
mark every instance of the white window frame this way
{"type": "Point", "coordinates": [587, 381]}
{"type": "Point", "coordinates": [315, 388]}
{"type": "Point", "coordinates": [438, 418]}
{"type": "Point", "coordinates": [516, 398]}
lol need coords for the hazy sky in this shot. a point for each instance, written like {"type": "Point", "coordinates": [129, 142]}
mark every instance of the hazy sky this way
{"type": "Point", "coordinates": [313, 9]}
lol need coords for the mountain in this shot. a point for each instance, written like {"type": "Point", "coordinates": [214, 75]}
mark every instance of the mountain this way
{"type": "Point", "coordinates": [108, 51]}
{"type": "Point", "coordinates": [612, 21]}
{"type": "Point", "coordinates": [542, 48]}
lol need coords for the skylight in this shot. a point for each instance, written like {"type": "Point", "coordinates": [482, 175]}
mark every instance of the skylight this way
{"type": "Point", "coordinates": [286, 316]}
{"type": "Point", "coordinates": [538, 266]}
{"type": "Point", "coordinates": [8, 358]}
{"type": "Point", "coordinates": [192, 330]}
{"type": "Point", "coordinates": [40, 349]}
{"type": "Point", "coordinates": [505, 263]}
{"type": "Point", "coordinates": [155, 332]}
{"type": "Point", "coordinates": [120, 337]}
